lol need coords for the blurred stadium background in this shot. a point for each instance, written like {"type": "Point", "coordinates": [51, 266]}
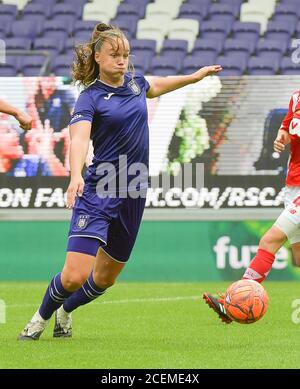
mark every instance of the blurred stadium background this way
{"type": "Point", "coordinates": [227, 123]}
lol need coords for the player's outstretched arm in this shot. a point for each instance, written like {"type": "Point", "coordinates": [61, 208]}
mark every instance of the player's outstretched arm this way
{"type": "Point", "coordinates": [162, 85]}
{"type": "Point", "coordinates": [23, 118]}
{"type": "Point", "coordinates": [80, 139]}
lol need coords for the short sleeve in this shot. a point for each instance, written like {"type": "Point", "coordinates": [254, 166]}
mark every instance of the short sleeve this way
{"type": "Point", "coordinates": [84, 108]}
{"type": "Point", "coordinates": [288, 117]}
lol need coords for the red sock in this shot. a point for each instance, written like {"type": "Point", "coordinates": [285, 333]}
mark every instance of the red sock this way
{"type": "Point", "coordinates": [260, 266]}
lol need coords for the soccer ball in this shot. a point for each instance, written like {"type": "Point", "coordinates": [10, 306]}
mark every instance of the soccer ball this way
{"type": "Point", "coordinates": [246, 301]}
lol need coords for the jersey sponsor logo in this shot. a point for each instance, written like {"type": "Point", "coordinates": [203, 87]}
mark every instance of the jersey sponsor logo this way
{"type": "Point", "coordinates": [76, 117]}
{"type": "Point", "coordinates": [134, 87]}
{"type": "Point", "coordinates": [295, 127]}
{"type": "Point", "coordinates": [82, 221]}
{"type": "Point", "coordinates": [108, 96]}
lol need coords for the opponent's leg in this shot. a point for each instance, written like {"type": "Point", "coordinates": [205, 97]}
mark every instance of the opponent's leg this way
{"type": "Point", "coordinates": [76, 270]}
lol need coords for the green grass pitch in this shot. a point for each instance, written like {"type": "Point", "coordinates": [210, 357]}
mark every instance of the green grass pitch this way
{"type": "Point", "coordinates": [152, 325]}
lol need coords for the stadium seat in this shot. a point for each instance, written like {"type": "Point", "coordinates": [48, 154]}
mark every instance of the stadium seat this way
{"type": "Point", "coordinates": [215, 30]}
{"type": "Point", "coordinates": [19, 3]}
{"type": "Point", "coordinates": [101, 10]}
{"type": "Point", "coordinates": [128, 24]}
{"type": "Point", "coordinates": [204, 45]}
{"type": "Point", "coordinates": [5, 25]}
{"type": "Point", "coordinates": [233, 65]}
{"type": "Point", "coordinates": [172, 6]}
{"type": "Point", "coordinates": [25, 28]}
{"type": "Point", "coordinates": [8, 70]}
{"type": "Point", "coordinates": [287, 9]}
{"type": "Point", "coordinates": [246, 30]}
{"type": "Point", "coordinates": [143, 44]}
{"type": "Point", "coordinates": [142, 62]}
{"type": "Point", "coordinates": [84, 26]}
{"type": "Point", "coordinates": [33, 65]}
{"type": "Point", "coordinates": [271, 45]}
{"type": "Point", "coordinates": [9, 10]}
{"type": "Point", "coordinates": [193, 63]}
{"type": "Point", "coordinates": [224, 9]}
{"type": "Point", "coordinates": [67, 11]}
{"type": "Point", "coordinates": [18, 43]}
{"type": "Point", "coordinates": [61, 65]}
{"type": "Point", "coordinates": [193, 11]}
{"type": "Point", "coordinates": [130, 9]}
{"type": "Point", "coordinates": [52, 45]}
{"type": "Point", "coordinates": [262, 66]}
{"type": "Point", "coordinates": [33, 9]}
{"type": "Point", "coordinates": [165, 65]}
{"type": "Point", "coordinates": [54, 28]}
{"type": "Point", "coordinates": [239, 45]}
{"type": "Point", "coordinates": [176, 46]}
{"type": "Point", "coordinates": [289, 67]}
{"type": "Point", "coordinates": [185, 29]}
{"type": "Point", "coordinates": [279, 30]}
{"type": "Point", "coordinates": [147, 30]}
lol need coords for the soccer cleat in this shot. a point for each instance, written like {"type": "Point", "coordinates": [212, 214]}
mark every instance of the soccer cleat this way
{"type": "Point", "coordinates": [63, 324]}
{"type": "Point", "coordinates": [34, 328]}
{"type": "Point", "coordinates": [217, 304]}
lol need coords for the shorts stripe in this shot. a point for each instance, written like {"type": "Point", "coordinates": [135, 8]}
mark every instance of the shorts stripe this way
{"type": "Point", "coordinates": [89, 236]}
{"type": "Point", "coordinates": [114, 259]}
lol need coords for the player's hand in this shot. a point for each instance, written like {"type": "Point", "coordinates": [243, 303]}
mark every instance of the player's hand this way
{"type": "Point", "coordinates": [207, 71]}
{"type": "Point", "coordinates": [75, 188]}
{"type": "Point", "coordinates": [280, 142]}
{"type": "Point", "coordinates": [24, 120]}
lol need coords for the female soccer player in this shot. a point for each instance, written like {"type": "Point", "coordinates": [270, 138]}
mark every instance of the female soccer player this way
{"type": "Point", "coordinates": [24, 120]}
{"type": "Point", "coordinates": [107, 212]}
{"type": "Point", "coordinates": [287, 226]}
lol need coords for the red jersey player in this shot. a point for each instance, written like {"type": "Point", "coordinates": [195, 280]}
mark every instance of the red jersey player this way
{"type": "Point", "coordinates": [287, 226]}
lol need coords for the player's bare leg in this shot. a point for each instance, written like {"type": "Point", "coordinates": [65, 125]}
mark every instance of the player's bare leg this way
{"type": "Point", "coordinates": [258, 269]}
{"type": "Point", "coordinates": [103, 275]}
{"type": "Point", "coordinates": [296, 253]}
{"type": "Point", "coordinates": [76, 270]}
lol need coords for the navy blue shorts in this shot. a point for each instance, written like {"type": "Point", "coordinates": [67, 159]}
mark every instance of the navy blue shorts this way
{"type": "Point", "coordinates": [112, 223]}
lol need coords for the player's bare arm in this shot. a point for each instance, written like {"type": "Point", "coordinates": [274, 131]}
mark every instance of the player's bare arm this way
{"type": "Point", "coordinates": [162, 85]}
{"type": "Point", "coordinates": [23, 118]}
{"type": "Point", "coordinates": [80, 139]}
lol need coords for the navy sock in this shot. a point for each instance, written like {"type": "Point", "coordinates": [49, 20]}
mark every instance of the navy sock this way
{"type": "Point", "coordinates": [54, 297]}
{"type": "Point", "coordinates": [87, 293]}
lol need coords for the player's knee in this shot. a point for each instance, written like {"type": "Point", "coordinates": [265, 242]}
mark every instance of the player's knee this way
{"type": "Point", "coordinates": [73, 281]}
{"type": "Point", "coordinates": [103, 281]}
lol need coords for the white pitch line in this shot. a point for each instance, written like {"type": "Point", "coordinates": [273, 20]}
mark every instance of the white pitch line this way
{"type": "Point", "coordinates": [127, 301]}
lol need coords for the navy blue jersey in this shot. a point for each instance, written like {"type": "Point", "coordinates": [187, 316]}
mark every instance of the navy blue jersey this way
{"type": "Point", "coordinates": [119, 120]}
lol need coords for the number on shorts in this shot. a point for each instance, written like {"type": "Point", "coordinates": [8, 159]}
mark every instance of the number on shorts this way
{"type": "Point", "coordinates": [297, 201]}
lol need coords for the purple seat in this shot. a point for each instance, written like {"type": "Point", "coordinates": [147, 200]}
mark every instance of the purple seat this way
{"type": "Point", "coordinates": [7, 70]}
{"type": "Point", "coordinates": [204, 5]}
{"type": "Point", "coordinates": [49, 44]}
{"type": "Point", "coordinates": [270, 45]}
{"type": "Point", "coordinates": [175, 46]}
{"type": "Point", "coordinates": [229, 19]}
{"type": "Point", "coordinates": [215, 27]}
{"type": "Point", "coordinates": [288, 19]}
{"type": "Point", "coordinates": [195, 62]}
{"type": "Point", "coordinates": [287, 66]}
{"type": "Point", "coordinates": [70, 44]}
{"type": "Point", "coordinates": [51, 2]}
{"type": "Point", "coordinates": [233, 3]}
{"type": "Point", "coordinates": [5, 24]}
{"type": "Point", "coordinates": [54, 28]}
{"type": "Point", "coordinates": [25, 28]}
{"type": "Point", "coordinates": [224, 9]}
{"type": "Point", "coordinates": [142, 63]}
{"type": "Point", "coordinates": [84, 26]}
{"type": "Point", "coordinates": [127, 23]}
{"type": "Point", "coordinates": [204, 45]}
{"type": "Point", "coordinates": [33, 64]}
{"type": "Point", "coordinates": [67, 11]}
{"type": "Point", "coordinates": [131, 9]}
{"type": "Point", "coordinates": [194, 10]}
{"type": "Point", "coordinates": [232, 65]}
{"type": "Point", "coordinates": [143, 44]}
{"type": "Point", "coordinates": [279, 30]}
{"type": "Point", "coordinates": [9, 9]}
{"type": "Point", "coordinates": [239, 45]}
{"type": "Point", "coordinates": [39, 20]}
{"type": "Point", "coordinates": [262, 66]}
{"type": "Point", "coordinates": [246, 30]}
{"type": "Point", "coordinates": [165, 65]}
{"type": "Point", "coordinates": [33, 9]}
{"type": "Point", "coordinates": [287, 9]}
{"type": "Point", "coordinates": [61, 66]}
{"type": "Point", "coordinates": [18, 43]}
{"type": "Point", "coordinates": [270, 55]}
{"type": "Point", "coordinates": [83, 36]}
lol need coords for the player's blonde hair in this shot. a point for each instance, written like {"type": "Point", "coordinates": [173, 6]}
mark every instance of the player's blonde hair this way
{"type": "Point", "coordinates": [84, 68]}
